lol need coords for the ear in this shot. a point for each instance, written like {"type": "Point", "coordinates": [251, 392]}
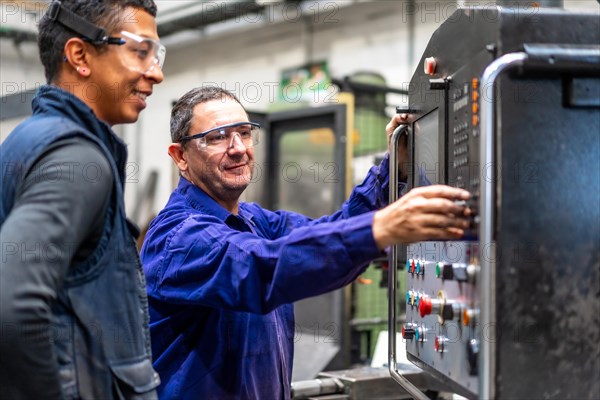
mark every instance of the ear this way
{"type": "Point", "coordinates": [78, 56]}
{"type": "Point", "coordinates": [176, 152]}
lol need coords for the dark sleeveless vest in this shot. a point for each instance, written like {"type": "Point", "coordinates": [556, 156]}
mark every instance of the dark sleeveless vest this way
{"type": "Point", "coordinates": [100, 320]}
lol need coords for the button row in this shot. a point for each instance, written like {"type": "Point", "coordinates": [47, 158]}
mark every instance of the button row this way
{"type": "Point", "coordinates": [447, 310]}
{"type": "Point", "coordinates": [413, 298]}
{"type": "Point", "coordinates": [475, 105]}
{"type": "Point", "coordinates": [458, 93]}
{"type": "Point", "coordinates": [461, 103]}
{"type": "Point", "coordinates": [460, 150]}
{"type": "Point", "coordinates": [456, 271]}
{"type": "Point", "coordinates": [460, 161]}
{"type": "Point", "coordinates": [410, 330]}
{"type": "Point", "coordinates": [461, 138]}
{"type": "Point", "coordinates": [460, 127]}
{"type": "Point", "coordinates": [414, 266]}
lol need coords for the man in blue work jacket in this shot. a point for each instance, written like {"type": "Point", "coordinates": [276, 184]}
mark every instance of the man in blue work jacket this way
{"type": "Point", "coordinates": [222, 274]}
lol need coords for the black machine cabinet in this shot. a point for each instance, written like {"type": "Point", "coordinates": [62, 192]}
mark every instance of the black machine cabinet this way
{"type": "Point", "coordinates": [506, 104]}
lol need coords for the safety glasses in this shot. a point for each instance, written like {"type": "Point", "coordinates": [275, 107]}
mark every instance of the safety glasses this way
{"type": "Point", "coordinates": [222, 137]}
{"type": "Point", "coordinates": [139, 53]}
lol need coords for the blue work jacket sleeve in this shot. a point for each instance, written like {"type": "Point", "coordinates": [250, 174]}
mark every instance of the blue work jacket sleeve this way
{"type": "Point", "coordinates": [372, 193]}
{"type": "Point", "coordinates": [207, 263]}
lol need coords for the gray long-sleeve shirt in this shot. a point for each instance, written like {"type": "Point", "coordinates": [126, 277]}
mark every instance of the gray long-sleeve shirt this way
{"type": "Point", "coordinates": [56, 222]}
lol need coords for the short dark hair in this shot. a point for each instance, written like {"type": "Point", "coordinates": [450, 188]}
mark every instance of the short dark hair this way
{"type": "Point", "coordinates": [181, 114]}
{"type": "Point", "coordinates": [103, 13]}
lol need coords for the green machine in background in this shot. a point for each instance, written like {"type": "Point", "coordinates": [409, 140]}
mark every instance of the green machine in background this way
{"type": "Point", "coordinates": [370, 117]}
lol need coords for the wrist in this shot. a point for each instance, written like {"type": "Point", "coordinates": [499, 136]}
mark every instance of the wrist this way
{"type": "Point", "coordinates": [380, 231]}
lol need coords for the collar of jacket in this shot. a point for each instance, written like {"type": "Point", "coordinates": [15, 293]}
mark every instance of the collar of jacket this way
{"type": "Point", "coordinates": [201, 201]}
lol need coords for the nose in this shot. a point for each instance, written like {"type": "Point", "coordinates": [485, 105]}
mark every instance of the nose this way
{"type": "Point", "coordinates": [236, 144]}
{"type": "Point", "coordinates": [155, 74]}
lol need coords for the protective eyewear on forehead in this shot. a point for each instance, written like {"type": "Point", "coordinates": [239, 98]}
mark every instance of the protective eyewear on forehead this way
{"type": "Point", "coordinates": [222, 137]}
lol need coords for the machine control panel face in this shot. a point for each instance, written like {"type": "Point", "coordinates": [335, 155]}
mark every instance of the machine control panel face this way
{"type": "Point", "coordinates": [441, 330]}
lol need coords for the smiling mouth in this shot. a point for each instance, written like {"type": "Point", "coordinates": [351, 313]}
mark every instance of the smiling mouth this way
{"type": "Point", "coordinates": [141, 95]}
{"type": "Point", "coordinates": [235, 166]}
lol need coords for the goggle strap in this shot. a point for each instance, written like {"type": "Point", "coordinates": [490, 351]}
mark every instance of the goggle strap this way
{"type": "Point", "coordinates": [56, 12]}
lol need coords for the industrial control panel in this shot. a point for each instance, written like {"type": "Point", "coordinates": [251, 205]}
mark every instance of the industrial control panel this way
{"type": "Point", "coordinates": [506, 105]}
{"type": "Point", "coordinates": [441, 310]}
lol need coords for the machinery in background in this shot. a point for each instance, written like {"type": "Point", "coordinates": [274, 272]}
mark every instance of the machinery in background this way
{"type": "Point", "coordinates": [364, 383]}
{"type": "Point", "coordinates": [507, 106]}
{"type": "Point", "coordinates": [507, 312]}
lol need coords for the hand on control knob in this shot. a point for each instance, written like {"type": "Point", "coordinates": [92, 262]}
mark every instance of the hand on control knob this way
{"type": "Point", "coordinates": [425, 213]}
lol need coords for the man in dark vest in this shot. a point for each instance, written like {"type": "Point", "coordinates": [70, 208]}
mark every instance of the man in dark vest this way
{"type": "Point", "coordinates": [73, 308]}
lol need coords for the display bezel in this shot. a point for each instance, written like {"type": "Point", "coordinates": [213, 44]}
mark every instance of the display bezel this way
{"type": "Point", "coordinates": [434, 126]}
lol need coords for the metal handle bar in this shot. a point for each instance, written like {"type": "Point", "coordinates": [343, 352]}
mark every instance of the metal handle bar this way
{"type": "Point", "coordinates": [392, 275]}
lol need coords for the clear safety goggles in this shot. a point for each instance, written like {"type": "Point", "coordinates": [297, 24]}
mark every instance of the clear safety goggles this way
{"type": "Point", "coordinates": [222, 137]}
{"type": "Point", "coordinates": [139, 53]}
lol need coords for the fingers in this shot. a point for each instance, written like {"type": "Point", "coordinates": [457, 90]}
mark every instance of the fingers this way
{"type": "Point", "coordinates": [434, 191]}
{"type": "Point", "coordinates": [441, 234]}
{"type": "Point", "coordinates": [442, 221]}
{"type": "Point", "coordinates": [396, 120]}
{"type": "Point", "coordinates": [435, 205]}
{"type": "Point", "coordinates": [434, 212]}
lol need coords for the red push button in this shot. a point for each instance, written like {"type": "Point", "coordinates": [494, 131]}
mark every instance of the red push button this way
{"type": "Point", "coordinates": [425, 306]}
{"type": "Point", "coordinates": [438, 344]}
{"type": "Point", "coordinates": [430, 65]}
{"type": "Point", "coordinates": [408, 330]}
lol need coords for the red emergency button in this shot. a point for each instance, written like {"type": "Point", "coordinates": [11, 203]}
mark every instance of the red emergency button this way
{"type": "Point", "coordinates": [424, 306]}
{"type": "Point", "coordinates": [429, 65]}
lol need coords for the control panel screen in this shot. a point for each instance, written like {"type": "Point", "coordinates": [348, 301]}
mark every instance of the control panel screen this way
{"type": "Point", "coordinates": [426, 169]}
